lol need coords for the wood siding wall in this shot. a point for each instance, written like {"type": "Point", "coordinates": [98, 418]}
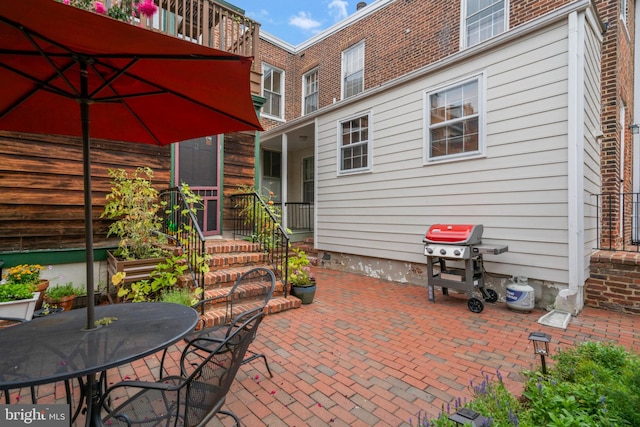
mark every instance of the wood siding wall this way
{"type": "Point", "coordinates": [239, 169]}
{"type": "Point", "coordinates": [41, 188]}
{"type": "Point", "coordinates": [518, 191]}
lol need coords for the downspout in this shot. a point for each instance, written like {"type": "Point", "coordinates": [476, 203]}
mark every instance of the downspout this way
{"type": "Point", "coordinates": [636, 112]}
{"type": "Point", "coordinates": [571, 300]}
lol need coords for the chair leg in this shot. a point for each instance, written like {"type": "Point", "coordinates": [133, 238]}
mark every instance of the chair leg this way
{"type": "Point", "coordinates": [230, 414]}
{"type": "Point", "coordinates": [255, 356]}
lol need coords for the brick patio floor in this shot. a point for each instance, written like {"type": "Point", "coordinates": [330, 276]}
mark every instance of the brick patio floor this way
{"type": "Point", "coordinates": [369, 352]}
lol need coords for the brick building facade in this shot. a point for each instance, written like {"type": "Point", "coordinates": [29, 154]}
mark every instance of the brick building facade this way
{"type": "Point", "coordinates": [398, 40]}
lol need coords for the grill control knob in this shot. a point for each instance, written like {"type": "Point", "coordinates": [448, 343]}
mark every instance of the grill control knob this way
{"type": "Point", "coordinates": [456, 252]}
{"type": "Point", "coordinates": [443, 252]}
{"type": "Point", "coordinates": [429, 250]}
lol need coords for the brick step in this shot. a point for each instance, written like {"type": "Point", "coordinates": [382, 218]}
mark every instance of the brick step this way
{"type": "Point", "coordinates": [216, 316]}
{"type": "Point", "coordinates": [248, 292]}
{"type": "Point", "coordinates": [221, 261]}
{"type": "Point", "coordinates": [230, 246]}
{"type": "Point", "coordinates": [229, 260]}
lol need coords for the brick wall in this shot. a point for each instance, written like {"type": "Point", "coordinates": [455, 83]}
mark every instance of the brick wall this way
{"type": "Point", "coordinates": [615, 281]}
{"type": "Point", "coordinates": [400, 38]}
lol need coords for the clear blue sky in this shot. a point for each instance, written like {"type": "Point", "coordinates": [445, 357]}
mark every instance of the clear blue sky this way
{"type": "Point", "coordinates": [295, 21]}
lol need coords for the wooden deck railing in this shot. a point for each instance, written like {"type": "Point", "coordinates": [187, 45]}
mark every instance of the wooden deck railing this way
{"type": "Point", "coordinates": [210, 23]}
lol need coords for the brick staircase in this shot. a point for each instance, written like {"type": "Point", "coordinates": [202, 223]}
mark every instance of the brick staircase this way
{"type": "Point", "coordinates": [229, 260]}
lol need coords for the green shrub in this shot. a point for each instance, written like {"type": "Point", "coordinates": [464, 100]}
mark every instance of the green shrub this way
{"type": "Point", "coordinates": [592, 385]}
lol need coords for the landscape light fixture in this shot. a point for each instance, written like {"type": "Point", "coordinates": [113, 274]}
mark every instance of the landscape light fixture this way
{"type": "Point", "coordinates": [541, 346]}
{"type": "Point", "coordinates": [635, 128]}
{"type": "Point", "coordinates": [466, 416]}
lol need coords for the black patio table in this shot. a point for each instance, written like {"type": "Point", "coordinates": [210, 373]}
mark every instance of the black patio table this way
{"type": "Point", "coordinates": [57, 347]}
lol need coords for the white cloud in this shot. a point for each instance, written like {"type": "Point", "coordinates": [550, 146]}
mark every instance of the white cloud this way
{"type": "Point", "coordinates": [304, 21]}
{"type": "Point", "coordinates": [338, 9]}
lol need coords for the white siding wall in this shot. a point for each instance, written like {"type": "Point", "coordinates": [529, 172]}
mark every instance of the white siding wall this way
{"type": "Point", "coordinates": [592, 128]}
{"type": "Point", "coordinates": [518, 191]}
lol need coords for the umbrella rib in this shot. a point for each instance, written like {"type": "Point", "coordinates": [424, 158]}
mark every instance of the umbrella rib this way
{"type": "Point", "coordinates": [41, 85]}
{"type": "Point", "coordinates": [107, 82]}
{"type": "Point", "coordinates": [47, 58]}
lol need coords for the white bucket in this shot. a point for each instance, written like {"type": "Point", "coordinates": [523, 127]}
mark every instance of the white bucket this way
{"type": "Point", "coordinates": [520, 296]}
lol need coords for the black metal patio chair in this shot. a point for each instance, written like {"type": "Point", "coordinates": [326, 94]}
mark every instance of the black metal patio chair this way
{"type": "Point", "coordinates": [192, 398]}
{"type": "Point", "coordinates": [253, 280]}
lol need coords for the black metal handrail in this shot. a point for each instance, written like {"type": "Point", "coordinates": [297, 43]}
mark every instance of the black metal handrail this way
{"type": "Point", "coordinates": [618, 223]}
{"type": "Point", "coordinates": [260, 222]}
{"type": "Point", "coordinates": [180, 224]}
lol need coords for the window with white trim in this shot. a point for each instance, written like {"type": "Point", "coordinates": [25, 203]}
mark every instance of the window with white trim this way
{"type": "Point", "coordinates": [453, 120]}
{"type": "Point", "coordinates": [307, 180]}
{"type": "Point", "coordinates": [354, 144]}
{"type": "Point", "coordinates": [310, 91]}
{"type": "Point", "coordinates": [353, 70]}
{"type": "Point", "coordinates": [272, 90]}
{"type": "Point", "coordinates": [484, 19]}
{"type": "Point", "coordinates": [623, 11]}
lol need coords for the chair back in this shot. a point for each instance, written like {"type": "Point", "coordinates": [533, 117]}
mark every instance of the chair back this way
{"type": "Point", "coordinates": [206, 387]}
{"type": "Point", "coordinates": [254, 277]}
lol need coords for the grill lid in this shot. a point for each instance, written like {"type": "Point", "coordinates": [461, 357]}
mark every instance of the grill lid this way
{"type": "Point", "coordinates": [461, 234]}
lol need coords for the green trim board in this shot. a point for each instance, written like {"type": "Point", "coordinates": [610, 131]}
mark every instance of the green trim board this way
{"type": "Point", "coordinates": [51, 257]}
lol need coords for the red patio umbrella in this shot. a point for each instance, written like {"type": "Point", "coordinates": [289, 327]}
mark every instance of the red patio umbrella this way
{"type": "Point", "coordinates": [67, 71]}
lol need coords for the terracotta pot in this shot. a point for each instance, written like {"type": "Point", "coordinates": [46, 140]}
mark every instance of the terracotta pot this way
{"type": "Point", "coordinates": [42, 286]}
{"type": "Point", "coordinates": [64, 302]}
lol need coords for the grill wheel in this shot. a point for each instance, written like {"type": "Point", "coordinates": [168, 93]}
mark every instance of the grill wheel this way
{"type": "Point", "coordinates": [492, 296]}
{"type": "Point", "coordinates": [475, 305]}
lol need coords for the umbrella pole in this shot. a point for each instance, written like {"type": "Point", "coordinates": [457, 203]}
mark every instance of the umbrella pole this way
{"type": "Point", "coordinates": [88, 213]}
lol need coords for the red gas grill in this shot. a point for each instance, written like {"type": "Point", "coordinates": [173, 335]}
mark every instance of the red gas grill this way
{"type": "Point", "coordinates": [460, 244]}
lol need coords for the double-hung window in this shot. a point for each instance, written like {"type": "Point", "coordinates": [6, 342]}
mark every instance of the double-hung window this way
{"type": "Point", "coordinates": [484, 19]}
{"type": "Point", "coordinates": [310, 91]}
{"type": "Point", "coordinates": [272, 90]}
{"type": "Point", "coordinates": [453, 121]}
{"type": "Point", "coordinates": [353, 70]}
{"type": "Point", "coordinates": [307, 180]}
{"type": "Point", "coordinates": [354, 144]}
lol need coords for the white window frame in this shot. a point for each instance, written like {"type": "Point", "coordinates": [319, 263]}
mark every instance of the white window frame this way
{"type": "Point", "coordinates": [305, 161]}
{"type": "Point", "coordinates": [481, 116]}
{"type": "Point", "coordinates": [347, 72]}
{"type": "Point", "coordinates": [280, 115]}
{"type": "Point", "coordinates": [369, 143]}
{"type": "Point", "coordinates": [305, 95]}
{"type": "Point", "coordinates": [624, 13]}
{"type": "Point", "coordinates": [464, 27]}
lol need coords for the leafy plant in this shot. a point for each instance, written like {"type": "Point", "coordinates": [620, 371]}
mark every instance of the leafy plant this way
{"type": "Point", "coordinates": [164, 277]}
{"type": "Point", "coordinates": [56, 293]}
{"type": "Point", "coordinates": [24, 273]}
{"type": "Point", "coordinates": [133, 202]}
{"type": "Point", "coordinates": [184, 296]}
{"type": "Point", "coordinates": [15, 291]}
{"type": "Point", "coordinates": [299, 271]}
{"type": "Point", "coordinates": [592, 385]}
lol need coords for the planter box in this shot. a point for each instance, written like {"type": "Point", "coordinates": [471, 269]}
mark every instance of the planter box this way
{"type": "Point", "coordinates": [81, 300]}
{"type": "Point", "coordinates": [136, 270]}
{"type": "Point", "coordinates": [21, 309]}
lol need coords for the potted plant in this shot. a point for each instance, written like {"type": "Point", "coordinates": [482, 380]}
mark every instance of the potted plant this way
{"type": "Point", "coordinates": [18, 294]}
{"type": "Point", "coordinates": [133, 204]}
{"type": "Point", "coordinates": [303, 284]}
{"type": "Point", "coordinates": [62, 295]}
